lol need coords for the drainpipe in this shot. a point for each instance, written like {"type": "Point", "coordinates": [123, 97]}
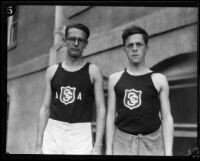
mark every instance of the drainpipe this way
{"type": "Point", "coordinates": [57, 32]}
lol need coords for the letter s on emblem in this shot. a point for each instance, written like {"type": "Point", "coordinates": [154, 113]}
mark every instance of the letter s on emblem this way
{"type": "Point", "coordinates": [67, 94]}
{"type": "Point", "coordinates": [132, 98]}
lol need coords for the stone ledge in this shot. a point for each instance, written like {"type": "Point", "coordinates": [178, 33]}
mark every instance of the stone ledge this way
{"type": "Point", "coordinates": [73, 11]}
{"type": "Point", "coordinates": [156, 23]}
{"type": "Point", "coordinates": [31, 66]}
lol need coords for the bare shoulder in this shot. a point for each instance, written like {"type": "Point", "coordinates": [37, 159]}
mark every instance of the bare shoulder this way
{"type": "Point", "coordinates": [95, 73]}
{"type": "Point", "coordinates": [51, 71]}
{"type": "Point", "coordinates": [159, 77]}
{"type": "Point", "coordinates": [160, 80]}
{"type": "Point", "coordinates": [94, 68]}
{"type": "Point", "coordinates": [113, 78]}
{"type": "Point", "coordinates": [115, 75]}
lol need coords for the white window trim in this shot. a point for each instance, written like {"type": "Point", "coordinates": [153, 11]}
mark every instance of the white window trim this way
{"type": "Point", "coordinates": [10, 42]}
{"type": "Point", "coordinates": [10, 20]}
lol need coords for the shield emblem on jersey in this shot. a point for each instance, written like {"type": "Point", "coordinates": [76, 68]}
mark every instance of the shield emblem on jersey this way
{"type": "Point", "coordinates": [132, 98]}
{"type": "Point", "coordinates": [67, 94]}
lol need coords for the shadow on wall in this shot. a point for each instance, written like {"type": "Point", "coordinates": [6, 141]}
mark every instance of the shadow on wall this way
{"type": "Point", "coordinates": [172, 61]}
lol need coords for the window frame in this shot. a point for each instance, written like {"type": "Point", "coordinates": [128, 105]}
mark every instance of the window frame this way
{"type": "Point", "coordinates": [184, 129]}
{"type": "Point", "coordinates": [12, 31]}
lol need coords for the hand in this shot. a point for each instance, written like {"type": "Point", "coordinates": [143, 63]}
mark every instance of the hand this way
{"type": "Point", "coordinates": [169, 153]}
{"type": "Point", "coordinates": [96, 150]}
{"type": "Point", "coordinates": [38, 150]}
{"type": "Point", "coordinates": [108, 152]}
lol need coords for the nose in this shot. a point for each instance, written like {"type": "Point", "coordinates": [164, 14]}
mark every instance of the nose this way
{"type": "Point", "coordinates": [134, 47]}
{"type": "Point", "coordinates": [76, 42]}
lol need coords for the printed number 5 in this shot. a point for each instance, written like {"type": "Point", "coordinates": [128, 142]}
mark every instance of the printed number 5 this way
{"type": "Point", "coordinates": [10, 10]}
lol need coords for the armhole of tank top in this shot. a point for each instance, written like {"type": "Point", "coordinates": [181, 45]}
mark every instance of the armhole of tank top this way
{"type": "Point", "coordinates": [151, 76]}
{"type": "Point", "coordinates": [88, 64]}
{"type": "Point", "coordinates": [54, 71]}
{"type": "Point", "coordinates": [120, 76]}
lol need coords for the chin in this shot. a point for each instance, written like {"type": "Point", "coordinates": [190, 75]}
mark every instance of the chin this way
{"type": "Point", "coordinates": [136, 62]}
{"type": "Point", "coordinates": [74, 56]}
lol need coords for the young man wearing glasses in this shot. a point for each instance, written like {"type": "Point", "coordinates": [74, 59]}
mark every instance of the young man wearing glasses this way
{"type": "Point", "coordinates": [137, 97]}
{"type": "Point", "coordinates": [72, 86]}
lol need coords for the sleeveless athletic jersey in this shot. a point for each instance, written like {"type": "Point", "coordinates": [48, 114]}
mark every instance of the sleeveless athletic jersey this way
{"type": "Point", "coordinates": [72, 95]}
{"type": "Point", "coordinates": [137, 104]}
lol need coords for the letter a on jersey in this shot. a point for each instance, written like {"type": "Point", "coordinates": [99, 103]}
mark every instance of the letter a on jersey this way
{"type": "Point", "coordinates": [79, 96]}
{"type": "Point", "coordinates": [67, 94]}
{"type": "Point", "coordinates": [132, 98]}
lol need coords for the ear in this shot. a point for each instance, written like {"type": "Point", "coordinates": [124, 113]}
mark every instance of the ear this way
{"type": "Point", "coordinates": [124, 48]}
{"type": "Point", "coordinates": [86, 43]}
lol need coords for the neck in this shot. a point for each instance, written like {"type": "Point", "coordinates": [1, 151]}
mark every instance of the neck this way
{"type": "Point", "coordinates": [73, 62]}
{"type": "Point", "coordinates": [138, 68]}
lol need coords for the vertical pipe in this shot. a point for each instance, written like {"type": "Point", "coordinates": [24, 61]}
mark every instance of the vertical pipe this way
{"type": "Point", "coordinates": [58, 24]}
{"type": "Point", "coordinates": [57, 32]}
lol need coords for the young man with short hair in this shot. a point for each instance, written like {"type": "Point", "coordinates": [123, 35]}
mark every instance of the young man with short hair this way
{"type": "Point", "coordinates": [139, 120]}
{"type": "Point", "coordinates": [72, 86]}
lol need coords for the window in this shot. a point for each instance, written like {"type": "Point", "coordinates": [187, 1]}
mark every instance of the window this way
{"type": "Point", "coordinates": [181, 71]}
{"type": "Point", "coordinates": [12, 30]}
{"type": "Point", "coordinates": [183, 99]}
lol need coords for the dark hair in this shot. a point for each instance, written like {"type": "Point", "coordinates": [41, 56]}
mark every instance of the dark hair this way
{"type": "Point", "coordinates": [131, 30]}
{"type": "Point", "coordinates": [78, 26]}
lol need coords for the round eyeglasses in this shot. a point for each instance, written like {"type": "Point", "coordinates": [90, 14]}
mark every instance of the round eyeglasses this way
{"type": "Point", "coordinates": [74, 39]}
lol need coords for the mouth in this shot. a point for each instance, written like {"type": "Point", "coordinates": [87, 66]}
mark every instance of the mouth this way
{"type": "Point", "coordinates": [75, 50]}
{"type": "Point", "coordinates": [135, 55]}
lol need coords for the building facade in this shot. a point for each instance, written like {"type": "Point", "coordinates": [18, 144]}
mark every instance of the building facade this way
{"type": "Point", "coordinates": [34, 29]}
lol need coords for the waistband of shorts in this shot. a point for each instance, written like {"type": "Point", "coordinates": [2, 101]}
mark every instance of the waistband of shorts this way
{"type": "Point", "coordinates": [67, 124]}
{"type": "Point", "coordinates": [138, 134]}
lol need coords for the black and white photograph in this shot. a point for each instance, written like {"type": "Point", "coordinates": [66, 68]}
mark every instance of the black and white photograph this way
{"type": "Point", "coordinates": [115, 79]}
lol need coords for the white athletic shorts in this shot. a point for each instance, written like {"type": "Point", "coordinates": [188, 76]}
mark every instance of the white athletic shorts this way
{"type": "Point", "coordinates": [67, 138]}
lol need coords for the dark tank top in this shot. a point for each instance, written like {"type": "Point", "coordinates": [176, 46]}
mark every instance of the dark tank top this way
{"type": "Point", "coordinates": [72, 95]}
{"type": "Point", "coordinates": [137, 104]}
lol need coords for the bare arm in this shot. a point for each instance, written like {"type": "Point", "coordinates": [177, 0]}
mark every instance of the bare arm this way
{"type": "Point", "coordinates": [100, 106]}
{"type": "Point", "coordinates": [44, 113]}
{"type": "Point", "coordinates": [166, 117]}
{"type": "Point", "coordinates": [110, 126]}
